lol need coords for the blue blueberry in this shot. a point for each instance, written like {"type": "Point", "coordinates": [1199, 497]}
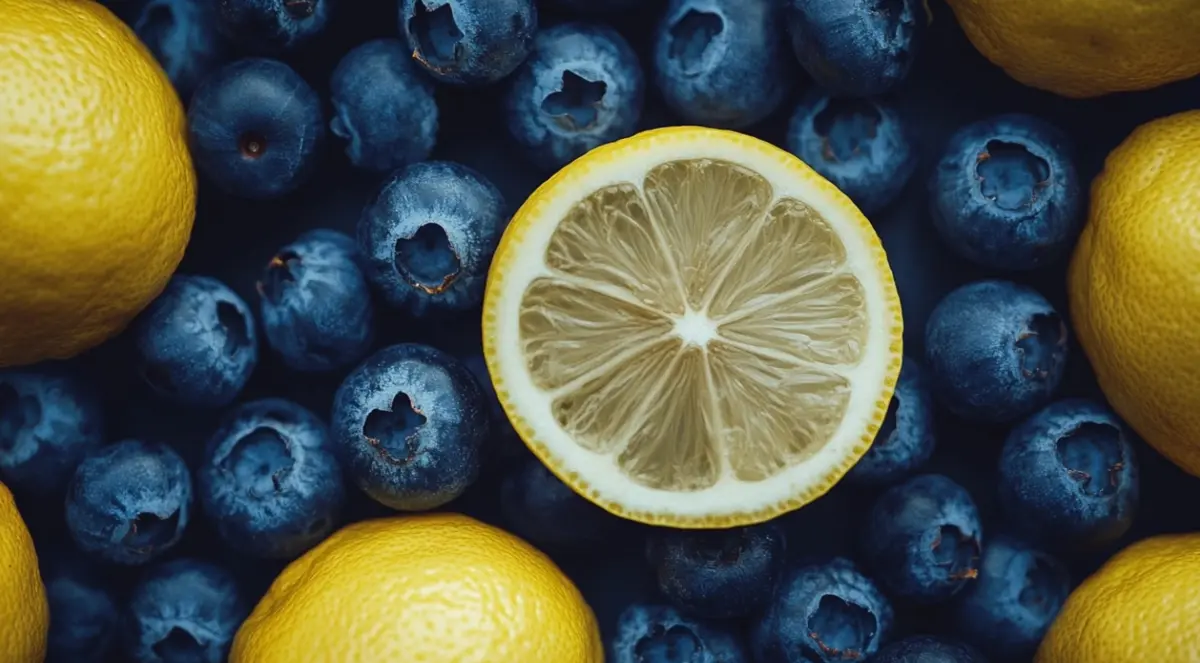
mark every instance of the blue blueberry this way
{"type": "Point", "coordinates": [269, 481]}
{"type": "Point", "coordinates": [196, 343]}
{"type": "Point", "coordinates": [928, 649]}
{"type": "Point", "coordinates": [922, 539]}
{"type": "Point", "coordinates": [408, 426]}
{"type": "Point", "coordinates": [1069, 475]}
{"type": "Point", "coordinates": [429, 235]}
{"type": "Point", "coordinates": [507, 444]}
{"type": "Point", "coordinates": [83, 612]}
{"type": "Point", "coordinates": [995, 351]}
{"type": "Point", "coordinates": [49, 421]}
{"type": "Point", "coordinates": [184, 611]}
{"type": "Point", "coordinates": [718, 574]}
{"type": "Point", "coordinates": [469, 42]}
{"type": "Point", "coordinates": [598, 6]}
{"type": "Point", "coordinates": [315, 303]}
{"type": "Point", "coordinates": [581, 87]}
{"type": "Point", "coordinates": [861, 145]}
{"type": "Point", "coordinates": [255, 128]}
{"type": "Point", "coordinates": [184, 38]}
{"type": "Point", "coordinates": [270, 26]}
{"type": "Point", "coordinates": [546, 512]}
{"type": "Point", "coordinates": [659, 634]}
{"type": "Point", "coordinates": [383, 107]}
{"type": "Point", "coordinates": [1006, 195]}
{"type": "Point", "coordinates": [129, 502]}
{"type": "Point", "coordinates": [823, 613]}
{"type": "Point", "coordinates": [905, 441]}
{"type": "Point", "coordinates": [857, 48]}
{"type": "Point", "coordinates": [1018, 594]}
{"type": "Point", "coordinates": [722, 63]}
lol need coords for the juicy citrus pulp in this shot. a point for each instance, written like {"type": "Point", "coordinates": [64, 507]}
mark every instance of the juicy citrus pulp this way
{"type": "Point", "coordinates": [691, 327]}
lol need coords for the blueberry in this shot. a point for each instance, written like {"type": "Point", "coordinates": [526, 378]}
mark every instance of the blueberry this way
{"type": "Point", "coordinates": [856, 47]}
{"type": "Point", "coordinates": [383, 107]}
{"type": "Point", "coordinates": [659, 634]}
{"type": "Point", "coordinates": [861, 145]}
{"type": "Point", "coordinates": [995, 351]}
{"type": "Point", "coordinates": [508, 443]}
{"type": "Point", "coordinates": [184, 38]}
{"type": "Point", "coordinates": [271, 26]}
{"type": "Point", "coordinates": [905, 441]}
{"type": "Point", "coordinates": [129, 502]}
{"type": "Point", "coordinates": [469, 42]}
{"type": "Point", "coordinates": [196, 343]}
{"type": "Point", "coordinates": [581, 87]}
{"type": "Point", "coordinates": [429, 235]}
{"type": "Point", "coordinates": [545, 511]}
{"type": "Point", "coordinates": [722, 63]}
{"type": "Point", "coordinates": [315, 303]}
{"type": "Point", "coordinates": [49, 421]}
{"type": "Point", "coordinates": [255, 128]}
{"type": "Point", "coordinates": [83, 612]}
{"type": "Point", "coordinates": [928, 649]}
{"type": "Point", "coordinates": [1069, 475]}
{"type": "Point", "coordinates": [1006, 195]}
{"type": "Point", "coordinates": [823, 613]}
{"type": "Point", "coordinates": [598, 6]}
{"type": "Point", "coordinates": [718, 574]}
{"type": "Point", "coordinates": [922, 539]}
{"type": "Point", "coordinates": [269, 481]}
{"type": "Point", "coordinates": [1019, 592]}
{"type": "Point", "coordinates": [184, 611]}
{"type": "Point", "coordinates": [408, 425]}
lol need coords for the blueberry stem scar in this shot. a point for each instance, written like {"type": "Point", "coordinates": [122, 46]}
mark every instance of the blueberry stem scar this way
{"type": "Point", "coordinates": [252, 145]}
{"type": "Point", "coordinates": [278, 272]}
{"type": "Point", "coordinates": [575, 104]}
{"type": "Point", "coordinates": [439, 40]}
{"type": "Point", "coordinates": [383, 426]}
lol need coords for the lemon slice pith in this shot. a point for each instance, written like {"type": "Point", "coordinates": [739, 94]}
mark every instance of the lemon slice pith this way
{"type": "Point", "coordinates": [692, 328]}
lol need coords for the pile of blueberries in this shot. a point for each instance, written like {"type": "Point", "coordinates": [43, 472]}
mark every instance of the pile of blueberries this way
{"type": "Point", "coordinates": [156, 540]}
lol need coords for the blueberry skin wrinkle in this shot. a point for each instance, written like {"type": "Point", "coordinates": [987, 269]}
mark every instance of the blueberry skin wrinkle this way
{"type": "Point", "coordinates": [273, 26]}
{"type": "Point", "coordinates": [1006, 194]}
{"type": "Point", "coordinates": [906, 440]}
{"type": "Point", "coordinates": [269, 481]}
{"type": "Point", "coordinates": [184, 610]}
{"type": "Point", "coordinates": [722, 63]}
{"type": "Point", "coordinates": [1069, 476]}
{"type": "Point", "coordinates": [184, 37]}
{"type": "Point", "coordinates": [469, 42]}
{"type": "Point", "coordinates": [660, 634]}
{"type": "Point", "coordinates": [196, 344]}
{"type": "Point", "coordinates": [928, 649]}
{"type": "Point", "coordinates": [83, 612]}
{"type": "Point", "coordinates": [540, 508]}
{"type": "Point", "coordinates": [383, 107]}
{"type": "Point", "coordinates": [129, 502]}
{"type": "Point", "coordinates": [581, 87]}
{"type": "Point", "coordinates": [995, 351]}
{"type": "Point", "coordinates": [408, 426]}
{"type": "Point", "coordinates": [315, 303]}
{"type": "Point", "coordinates": [255, 129]}
{"type": "Point", "coordinates": [49, 420]}
{"type": "Point", "coordinates": [429, 235]}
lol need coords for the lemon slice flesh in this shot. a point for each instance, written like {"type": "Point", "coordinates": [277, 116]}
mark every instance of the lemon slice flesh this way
{"type": "Point", "coordinates": [692, 328]}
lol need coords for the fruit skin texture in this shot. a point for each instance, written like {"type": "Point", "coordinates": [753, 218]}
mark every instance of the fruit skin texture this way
{"type": "Point", "coordinates": [24, 612]}
{"type": "Point", "coordinates": [198, 598]}
{"type": "Point", "coordinates": [441, 588]}
{"type": "Point", "coordinates": [469, 42]}
{"type": "Point", "coordinates": [184, 38]}
{"type": "Point", "coordinates": [928, 649]}
{"type": "Point", "coordinates": [659, 634]}
{"type": "Point", "coordinates": [1099, 46]}
{"type": "Point", "coordinates": [906, 440]}
{"type": "Point", "coordinates": [1143, 602]}
{"type": "Point", "coordinates": [83, 612]}
{"type": "Point", "coordinates": [96, 139]}
{"type": "Point", "coordinates": [1133, 305]}
{"type": "Point", "coordinates": [273, 25]}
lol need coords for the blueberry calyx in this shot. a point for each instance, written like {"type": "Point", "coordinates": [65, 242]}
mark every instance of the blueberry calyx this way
{"type": "Point", "coordinates": [148, 531]}
{"type": "Point", "coordinates": [16, 412]}
{"type": "Point", "coordinates": [427, 260]}
{"type": "Point", "coordinates": [574, 105]}
{"type": "Point", "coordinates": [1037, 594]}
{"type": "Point", "coordinates": [439, 39]}
{"type": "Point", "coordinates": [278, 272]}
{"type": "Point", "coordinates": [1010, 175]}
{"type": "Point", "coordinates": [675, 643]}
{"type": "Point", "coordinates": [252, 145]}
{"type": "Point", "coordinates": [393, 433]}
{"type": "Point", "coordinates": [841, 629]}
{"type": "Point", "coordinates": [1090, 451]}
{"type": "Point", "coordinates": [691, 37]}
{"type": "Point", "coordinates": [260, 460]}
{"type": "Point", "coordinates": [300, 9]}
{"type": "Point", "coordinates": [841, 123]}
{"type": "Point", "coordinates": [179, 645]}
{"type": "Point", "coordinates": [236, 333]}
{"type": "Point", "coordinates": [1041, 345]}
{"type": "Point", "coordinates": [957, 552]}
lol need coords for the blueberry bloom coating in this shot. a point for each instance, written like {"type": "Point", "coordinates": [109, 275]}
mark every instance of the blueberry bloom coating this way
{"type": "Point", "coordinates": [905, 440]}
{"type": "Point", "coordinates": [659, 634]}
{"type": "Point", "coordinates": [928, 649]}
{"type": "Point", "coordinates": [184, 37]}
{"type": "Point", "coordinates": [469, 42]}
{"type": "Point", "coordinates": [83, 612]}
{"type": "Point", "coordinates": [271, 26]}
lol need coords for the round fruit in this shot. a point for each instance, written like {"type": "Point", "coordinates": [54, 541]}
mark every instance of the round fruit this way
{"type": "Point", "coordinates": [97, 193]}
{"type": "Point", "coordinates": [1134, 302]}
{"type": "Point", "coordinates": [24, 613]}
{"type": "Point", "coordinates": [439, 588]}
{"type": "Point", "coordinates": [1086, 48]}
{"type": "Point", "coordinates": [692, 328]}
{"type": "Point", "coordinates": [1142, 605]}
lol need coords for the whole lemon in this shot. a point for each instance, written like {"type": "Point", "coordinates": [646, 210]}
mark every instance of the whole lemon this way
{"type": "Point", "coordinates": [97, 191]}
{"type": "Point", "coordinates": [1142, 605]}
{"type": "Point", "coordinates": [24, 614]}
{"type": "Point", "coordinates": [1086, 48]}
{"type": "Point", "coordinates": [434, 588]}
{"type": "Point", "coordinates": [1135, 298]}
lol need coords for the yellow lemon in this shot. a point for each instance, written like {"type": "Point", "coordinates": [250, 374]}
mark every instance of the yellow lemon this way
{"type": "Point", "coordinates": [24, 614]}
{"type": "Point", "coordinates": [435, 588]}
{"type": "Point", "coordinates": [1142, 605]}
{"type": "Point", "coordinates": [690, 327]}
{"type": "Point", "coordinates": [1135, 302]}
{"type": "Point", "coordinates": [97, 192]}
{"type": "Point", "coordinates": [1086, 48]}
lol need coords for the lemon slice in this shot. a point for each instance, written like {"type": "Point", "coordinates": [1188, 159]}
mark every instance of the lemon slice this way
{"type": "Point", "coordinates": [692, 328]}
